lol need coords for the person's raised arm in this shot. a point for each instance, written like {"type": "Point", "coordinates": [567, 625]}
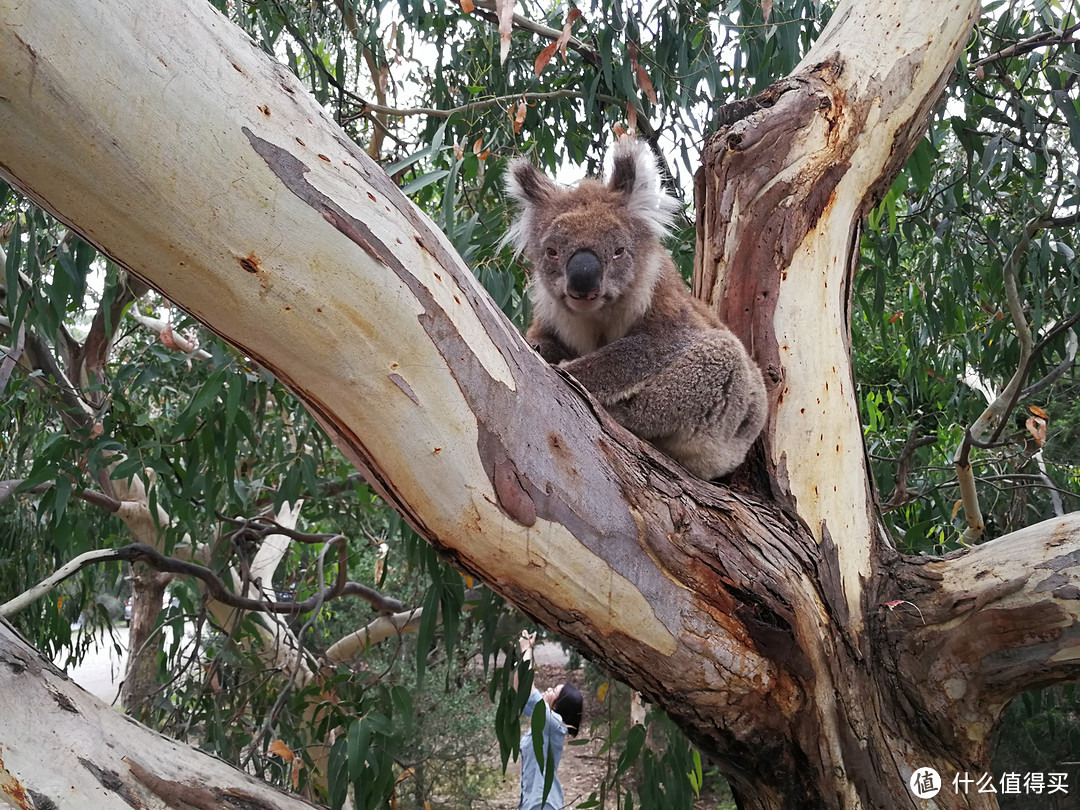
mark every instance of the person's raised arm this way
{"type": "Point", "coordinates": [526, 642]}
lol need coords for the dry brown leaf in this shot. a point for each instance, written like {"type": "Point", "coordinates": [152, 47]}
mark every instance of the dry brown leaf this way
{"type": "Point", "coordinates": [1037, 428]}
{"type": "Point", "coordinates": [559, 45]}
{"type": "Point", "coordinates": [644, 83]}
{"type": "Point", "coordinates": [279, 748]}
{"type": "Point", "coordinates": [166, 336]}
{"type": "Point", "coordinates": [544, 58]}
{"type": "Point", "coordinates": [297, 766]}
{"type": "Point", "coordinates": [519, 115]}
{"type": "Point", "coordinates": [564, 37]}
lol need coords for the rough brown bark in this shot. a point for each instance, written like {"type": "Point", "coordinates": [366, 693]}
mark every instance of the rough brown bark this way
{"type": "Point", "coordinates": [141, 674]}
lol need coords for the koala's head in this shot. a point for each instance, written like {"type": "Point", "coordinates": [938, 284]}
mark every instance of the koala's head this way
{"type": "Point", "coordinates": [590, 245]}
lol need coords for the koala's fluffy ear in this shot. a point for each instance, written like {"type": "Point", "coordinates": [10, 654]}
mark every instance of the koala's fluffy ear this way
{"type": "Point", "coordinates": [634, 173]}
{"type": "Point", "coordinates": [531, 189]}
{"type": "Point", "coordinates": [526, 184]}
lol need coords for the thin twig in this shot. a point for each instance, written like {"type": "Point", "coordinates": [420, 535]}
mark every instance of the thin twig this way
{"type": "Point", "coordinates": [524, 24]}
{"type": "Point", "coordinates": [141, 552]}
{"type": "Point", "coordinates": [1041, 40]}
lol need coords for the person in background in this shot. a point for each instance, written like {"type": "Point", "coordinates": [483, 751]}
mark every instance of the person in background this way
{"type": "Point", "coordinates": [563, 706]}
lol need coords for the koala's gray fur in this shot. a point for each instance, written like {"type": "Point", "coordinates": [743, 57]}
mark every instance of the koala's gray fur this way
{"type": "Point", "coordinates": [609, 307]}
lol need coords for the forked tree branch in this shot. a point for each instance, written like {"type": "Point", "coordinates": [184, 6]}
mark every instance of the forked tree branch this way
{"type": "Point", "coordinates": [987, 429]}
{"type": "Point", "coordinates": [994, 620]}
{"type": "Point", "coordinates": [1045, 39]}
{"type": "Point", "coordinates": [141, 552]}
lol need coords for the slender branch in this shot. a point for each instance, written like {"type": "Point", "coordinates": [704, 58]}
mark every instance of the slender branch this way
{"type": "Point", "coordinates": [1060, 222]}
{"type": "Point", "coordinates": [13, 606]}
{"type": "Point", "coordinates": [1025, 367]}
{"type": "Point", "coordinates": [163, 329]}
{"type": "Point", "coordinates": [12, 355]}
{"type": "Point", "coordinates": [969, 495]}
{"type": "Point", "coordinates": [76, 413]}
{"type": "Point", "coordinates": [903, 469]}
{"type": "Point", "coordinates": [483, 104]}
{"type": "Point", "coordinates": [384, 627]}
{"type": "Point", "coordinates": [260, 527]}
{"type": "Point", "coordinates": [91, 496]}
{"type": "Point", "coordinates": [89, 359]}
{"type": "Point", "coordinates": [1048, 482]}
{"type": "Point", "coordinates": [524, 24]}
{"type": "Point", "coordinates": [1066, 363]}
{"type": "Point", "coordinates": [383, 604]}
{"type": "Point", "coordinates": [379, 120]}
{"type": "Point", "coordinates": [1044, 39]}
{"type": "Point", "coordinates": [141, 552]}
{"type": "Point", "coordinates": [993, 418]}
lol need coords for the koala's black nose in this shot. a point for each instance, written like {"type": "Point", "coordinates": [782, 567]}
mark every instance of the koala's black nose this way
{"type": "Point", "coordinates": [582, 274]}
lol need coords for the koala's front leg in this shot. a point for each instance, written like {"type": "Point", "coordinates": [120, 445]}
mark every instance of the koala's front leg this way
{"type": "Point", "coordinates": [548, 345]}
{"type": "Point", "coordinates": [616, 371]}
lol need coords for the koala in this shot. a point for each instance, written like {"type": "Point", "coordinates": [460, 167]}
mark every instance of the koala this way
{"type": "Point", "coordinates": [610, 308]}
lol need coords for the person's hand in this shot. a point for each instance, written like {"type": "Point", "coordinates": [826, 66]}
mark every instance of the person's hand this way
{"type": "Point", "coordinates": [526, 642]}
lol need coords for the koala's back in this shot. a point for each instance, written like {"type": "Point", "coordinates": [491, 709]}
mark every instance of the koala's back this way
{"type": "Point", "coordinates": [700, 398]}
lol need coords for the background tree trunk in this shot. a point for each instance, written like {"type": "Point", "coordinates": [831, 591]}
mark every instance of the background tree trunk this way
{"type": "Point", "coordinates": [766, 619]}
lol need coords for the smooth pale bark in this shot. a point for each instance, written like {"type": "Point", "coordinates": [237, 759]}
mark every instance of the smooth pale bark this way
{"type": "Point", "coordinates": [777, 249]}
{"type": "Point", "coordinates": [63, 744]}
{"type": "Point", "coordinates": [771, 625]}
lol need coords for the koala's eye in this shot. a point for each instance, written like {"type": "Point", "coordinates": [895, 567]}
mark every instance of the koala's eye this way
{"type": "Point", "coordinates": [619, 253]}
{"type": "Point", "coordinates": [552, 253]}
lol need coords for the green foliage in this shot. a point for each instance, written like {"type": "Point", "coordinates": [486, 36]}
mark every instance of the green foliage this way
{"type": "Point", "coordinates": [1040, 734]}
{"type": "Point", "coordinates": [364, 757]}
{"type": "Point", "coordinates": [931, 303]}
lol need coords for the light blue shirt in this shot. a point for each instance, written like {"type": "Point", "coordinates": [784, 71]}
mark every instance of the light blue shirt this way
{"type": "Point", "coordinates": [532, 780]}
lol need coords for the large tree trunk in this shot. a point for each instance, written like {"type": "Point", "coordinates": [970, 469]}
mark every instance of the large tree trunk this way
{"type": "Point", "coordinates": [774, 621]}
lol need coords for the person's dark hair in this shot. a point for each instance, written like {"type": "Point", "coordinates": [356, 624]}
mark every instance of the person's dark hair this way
{"type": "Point", "coordinates": [568, 706]}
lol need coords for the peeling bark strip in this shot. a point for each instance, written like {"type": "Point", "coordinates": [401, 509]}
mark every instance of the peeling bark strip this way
{"type": "Point", "coordinates": [112, 781]}
{"type": "Point", "coordinates": [291, 170]}
{"type": "Point", "coordinates": [178, 794]}
{"type": "Point", "coordinates": [512, 495]}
